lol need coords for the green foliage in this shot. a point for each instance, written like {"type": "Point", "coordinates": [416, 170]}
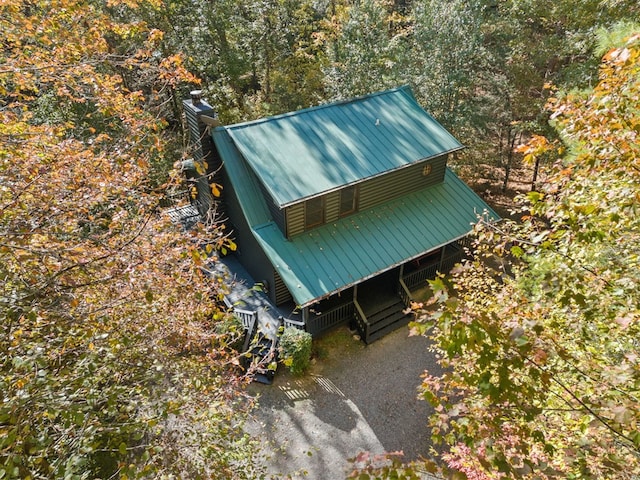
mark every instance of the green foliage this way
{"type": "Point", "coordinates": [445, 56]}
{"type": "Point", "coordinates": [538, 334]}
{"type": "Point", "coordinates": [295, 349]}
{"type": "Point", "coordinates": [364, 51]}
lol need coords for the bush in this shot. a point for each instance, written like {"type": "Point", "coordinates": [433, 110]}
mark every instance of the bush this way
{"type": "Point", "coordinates": [295, 349]}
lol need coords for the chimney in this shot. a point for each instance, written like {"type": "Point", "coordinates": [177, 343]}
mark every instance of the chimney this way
{"type": "Point", "coordinates": [201, 117]}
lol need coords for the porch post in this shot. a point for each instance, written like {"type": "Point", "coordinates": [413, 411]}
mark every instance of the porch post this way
{"type": "Point", "coordinates": [442, 250]}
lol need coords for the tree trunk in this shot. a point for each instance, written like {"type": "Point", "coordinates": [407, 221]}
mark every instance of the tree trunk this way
{"type": "Point", "coordinates": [536, 167]}
{"type": "Point", "coordinates": [511, 137]}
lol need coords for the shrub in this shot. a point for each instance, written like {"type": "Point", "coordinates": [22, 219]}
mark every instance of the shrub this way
{"type": "Point", "coordinates": [295, 349]}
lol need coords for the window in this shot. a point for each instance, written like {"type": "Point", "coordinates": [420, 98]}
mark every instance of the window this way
{"type": "Point", "coordinates": [313, 212]}
{"type": "Point", "coordinates": [348, 200]}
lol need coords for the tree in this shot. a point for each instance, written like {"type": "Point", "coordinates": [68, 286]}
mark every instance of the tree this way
{"type": "Point", "coordinates": [529, 44]}
{"type": "Point", "coordinates": [445, 57]}
{"type": "Point", "coordinates": [110, 362]}
{"type": "Point", "coordinates": [363, 50]}
{"type": "Point", "coordinates": [538, 334]}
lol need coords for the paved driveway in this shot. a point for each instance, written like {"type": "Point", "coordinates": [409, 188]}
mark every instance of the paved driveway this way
{"type": "Point", "coordinates": [356, 398]}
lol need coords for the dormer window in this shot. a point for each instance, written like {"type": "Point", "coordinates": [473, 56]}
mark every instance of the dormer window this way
{"type": "Point", "coordinates": [313, 212]}
{"type": "Point", "coordinates": [348, 200]}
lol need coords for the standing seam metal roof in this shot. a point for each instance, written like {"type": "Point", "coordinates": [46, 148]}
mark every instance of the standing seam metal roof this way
{"type": "Point", "coordinates": [335, 256]}
{"type": "Point", "coordinates": [313, 151]}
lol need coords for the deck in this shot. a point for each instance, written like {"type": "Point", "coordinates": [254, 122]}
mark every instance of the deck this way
{"type": "Point", "coordinates": [245, 297]}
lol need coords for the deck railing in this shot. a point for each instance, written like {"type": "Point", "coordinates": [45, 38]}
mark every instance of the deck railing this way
{"type": "Point", "coordinates": [330, 318]}
{"type": "Point", "coordinates": [247, 317]}
{"type": "Point", "coordinates": [249, 321]}
{"type": "Point", "coordinates": [429, 272]}
{"type": "Point", "coordinates": [289, 322]}
{"type": "Point", "coordinates": [420, 277]}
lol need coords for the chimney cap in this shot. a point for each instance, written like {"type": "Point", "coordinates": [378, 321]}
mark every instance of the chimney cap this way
{"type": "Point", "coordinates": [196, 96]}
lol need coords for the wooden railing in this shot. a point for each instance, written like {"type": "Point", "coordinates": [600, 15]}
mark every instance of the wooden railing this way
{"type": "Point", "coordinates": [361, 320]}
{"type": "Point", "coordinates": [449, 261]}
{"type": "Point", "coordinates": [429, 272]}
{"type": "Point", "coordinates": [420, 277]}
{"type": "Point", "coordinates": [249, 321]}
{"type": "Point", "coordinates": [289, 322]}
{"type": "Point", "coordinates": [404, 293]}
{"type": "Point", "coordinates": [247, 317]}
{"type": "Point", "coordinates": [330, 318]}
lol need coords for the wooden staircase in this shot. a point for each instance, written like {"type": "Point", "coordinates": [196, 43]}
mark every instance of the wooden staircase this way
{"type": "Point", "coordinates": [375, 320]}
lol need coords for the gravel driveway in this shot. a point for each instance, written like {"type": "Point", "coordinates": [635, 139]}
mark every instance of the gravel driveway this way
{"type": "Point", "coordinates": [355, 398]}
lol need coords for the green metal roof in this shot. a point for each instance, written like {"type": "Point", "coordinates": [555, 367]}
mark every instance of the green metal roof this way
{"type": "Point", "coordinates": [334, 257]}
{"type": "Point", "coordinates": [313, 151]}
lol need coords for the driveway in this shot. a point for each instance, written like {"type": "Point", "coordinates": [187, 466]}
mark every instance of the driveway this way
{"type": "Point", "coordinates": [355, 398]}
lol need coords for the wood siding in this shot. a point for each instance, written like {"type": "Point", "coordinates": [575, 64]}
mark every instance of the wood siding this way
{"type": "Point", "coordinates": [373, 192]}
{"type": "Point", "coordinates": [388, 187]}
{"type": "Point", "coordinates": [294, 217]}
{"type": "Point", "coordinates": [281, 293]}
{"type": "Point", "coordinates": [277, 214]}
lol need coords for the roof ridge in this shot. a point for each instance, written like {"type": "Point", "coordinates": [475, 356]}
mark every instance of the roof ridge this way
{"type": "Point", "coordinates": [402, 88]}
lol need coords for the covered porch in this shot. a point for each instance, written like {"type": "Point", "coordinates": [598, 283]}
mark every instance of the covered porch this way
{"type": "Point", "coordinates": [377, 305]}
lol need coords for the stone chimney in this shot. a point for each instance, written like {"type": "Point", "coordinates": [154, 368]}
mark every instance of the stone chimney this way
{"type": "Point", "coordinates": [201, 117]}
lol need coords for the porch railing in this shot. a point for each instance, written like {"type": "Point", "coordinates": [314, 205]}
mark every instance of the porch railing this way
{"type": "Point", "coordinates": [330, 318]}
{"type": "Point", "coordinates": [247, 317]}
{"type": "Point", "coordinates": [429, 272]}
{"type": "Point", "coordinates": [404, 293]}
{"type": "Point", "coordinates": [289, 322]}
{"type": "Point", "coordinates": [249, 321]}
{"type": "Point", "coordinates": [420, 277]}
{"type": "Point", "coordinates": [449, 261]}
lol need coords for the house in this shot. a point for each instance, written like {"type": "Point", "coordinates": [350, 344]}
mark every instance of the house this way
{"type": "Point", "coordinates": [342, 209]}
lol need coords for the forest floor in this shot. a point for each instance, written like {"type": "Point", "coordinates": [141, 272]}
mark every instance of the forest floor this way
{"type": "Point", "coordinates": [488, 182]}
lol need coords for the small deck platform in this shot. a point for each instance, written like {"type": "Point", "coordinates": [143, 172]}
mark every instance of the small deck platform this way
{"type": "Point", "coordinates": [244, 295]}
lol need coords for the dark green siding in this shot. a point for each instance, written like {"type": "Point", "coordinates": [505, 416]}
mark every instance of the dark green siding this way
{"type": "Point", "coordinates": [281, 292]}
{"type": "Point", "coordinates": [373, 192]}
{"type": "Point", "coordinates": [277, 214]}
{"type": "Point", "coordinates": [387, 187]}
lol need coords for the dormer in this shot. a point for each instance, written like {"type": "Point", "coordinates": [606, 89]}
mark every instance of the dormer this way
{"type": "Point", "coordinates": [319, 165]}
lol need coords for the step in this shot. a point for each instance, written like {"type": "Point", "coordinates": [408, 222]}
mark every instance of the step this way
{"type": "Point", "coordinates": [385, 312]}
{"type": "Point", "coordinates": [372, 307]}
{"type": "Point", "coordinates": [378, 334]}
{"type": "Point", "coordinates": [262, 350]}
{"type": "Point", "coordinates": [382, 323]}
